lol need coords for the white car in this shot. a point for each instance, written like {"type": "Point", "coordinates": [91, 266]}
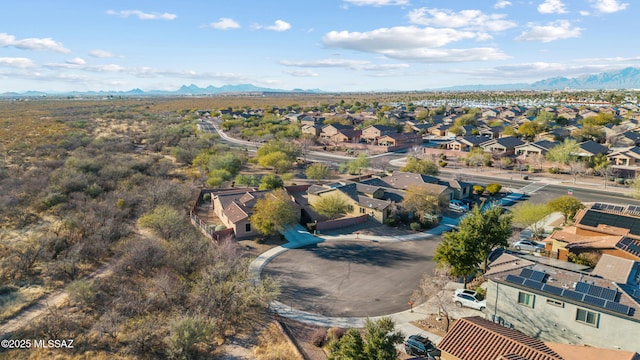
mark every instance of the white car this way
{"type": "Point", "coordinates": [470, 299]}
{"type": "Point", "coordinates": [458, 205]}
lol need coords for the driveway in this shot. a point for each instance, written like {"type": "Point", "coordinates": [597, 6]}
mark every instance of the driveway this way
{"type": "Point", "coordinates": [352, 278]}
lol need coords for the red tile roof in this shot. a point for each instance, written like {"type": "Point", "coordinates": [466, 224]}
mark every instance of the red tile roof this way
{"type": "Point", "coordinates": [474, 338]}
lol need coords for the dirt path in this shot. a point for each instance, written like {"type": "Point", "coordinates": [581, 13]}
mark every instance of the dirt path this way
{"type": "Point", "coordinates": [55, 299]}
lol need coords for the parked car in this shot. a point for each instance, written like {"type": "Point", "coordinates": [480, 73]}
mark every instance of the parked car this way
{"type": "Point", "coordinates": [458, 205]}
{"type": "Point", "coordinates": [469, 298]}
{"type": "Point", "coordinates": [528, 245]}
{"type": "Point", "coordinates": [421, 346]}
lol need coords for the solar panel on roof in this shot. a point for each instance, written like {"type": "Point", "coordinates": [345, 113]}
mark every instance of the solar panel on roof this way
{"type": "Point", "coordinates": [582, 287]}
{"type": "Point", "coordinates": [609, 294]}
{"type": "Point", "coordinates": [515, 279]}
{"type": "Point", "coordinates": [570, 294]}
{"type": "Point", "coordinates": [595, 218]}
{"type": "Point", "coordinates": [596, 206]}
{"type": "Point", "coordinates": [537, 276]}
{"type": "Point", "coordinates": [617, 307]}
{"type": "Point", "coordinates": [633, 209]}
{"type": "Point", "coordinates": [596, 301]}
{"type": "Point", "coordinates": [533, 284]}
{"type": "Point", "coordinates": [526, 273]}
{"type": "Point", "coordinates": [552, 289]}
{"type": "Point", "coordinates": [595, 290]}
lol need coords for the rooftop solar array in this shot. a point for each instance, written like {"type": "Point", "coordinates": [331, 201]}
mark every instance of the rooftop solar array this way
{"type": "Point", "coordinates": [633, 210]}
{"type": "Point", "coordinates": [595, 218]}
{"type": "Point", "coordinates": [630, 245]}
{"type": "Point", "coordinates": [607, 207]}
{"type": "Point", "coordinates": [584, 292]}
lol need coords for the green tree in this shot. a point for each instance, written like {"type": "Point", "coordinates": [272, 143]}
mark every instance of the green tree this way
{"type": "Point", "coordinates": [317, 171]}
{"type": "Point", "coordinates": [567, 205]}
{"type": "Point", "coordinates": [270, 182]}
{"type": "Point", "coordinates": [332, 206]}
{"type": "Point", "coordinates": [379, 342]}
{"type": "Point", "coordinates": [528, 215]}
{"type": "Point", "coordinates": [565, 152]}
{"type": "Point", "coordinates": [480, 232]}
{"type": "Point", "coordinates": [478, 189]}
{"type": "Point", "coordinates": [420, 166]}
{"type": "Point", "coordinates": [355, 166]}
{"type": "Point", "coordinates": [422, 201]}
{"type": "Point", "coordinates": [164, 221]}
{"type": "Point", "coordinates": [273, 212]}
{"type": "Point", "coordinates": [493, 189]}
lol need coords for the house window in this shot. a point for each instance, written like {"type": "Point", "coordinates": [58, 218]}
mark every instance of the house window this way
{"type": "Point", "coordinates": [525, 299]}
{"type": "Point", "coordinates": [587, 317]}
{"type": "Point", "coordinates": [362, 210]}
{"type": "Point", "coordinates": [555, 303]}
{"type": "Point", "coordinates": [247, 227]}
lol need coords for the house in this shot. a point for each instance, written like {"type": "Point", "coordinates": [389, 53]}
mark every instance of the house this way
{"type": "Point", "coordinates": [599, 229]}
{"type": "Point", "coordinates": [466, 143]}
{"type": "Point", "coordinates": [362, 200]}
{"type": "Point", "coordinates": [540, 147]}
{"type": "Point", "coordinates": [504, 145]}
{"type": "Point", "coordinates": [314, 130]}
{"type": "Point", "coordinates": [403, 180]}
{"type": "Point", "coordinates": [400, 140]}
{"type": "Point", "coordinates": [627, 138]}
{"type": "Point", "coordinates": [474, 338]}
{"type": "Point", "coordinates": [625, 157]}
{"type": "Point", "coordinates": [555, 134]}
{"type": "Point", "coordinates": [591, 148]}
{"type": "Point", "coordinates": [332, 129]}
{"type": "Point", "coordinates": [234, 208]}
{"type": "Point", "coordinates": [372, 133]}
{"type": "Point", "coordinates": [346, 135]}
{"type": "Point", "coordinates": [561, 305]}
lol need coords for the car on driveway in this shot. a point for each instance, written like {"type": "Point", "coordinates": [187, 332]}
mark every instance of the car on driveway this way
{"type": "Point", "coordinates": [458, 205]}
{"type": "Point", "coordinates": [469, 298]}
{"type": "Point", "coordinates": [421, 346]}
{"type": "Point", "coordinates": [528, 245]}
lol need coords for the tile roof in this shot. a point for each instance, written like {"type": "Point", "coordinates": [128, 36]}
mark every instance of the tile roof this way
{"type": "Point", "coordinates": [402, 180]}
{"type": "Point", "coordinates": [614, 268]}
{"type": "Point", "coordinates": [578, 352]}
{"type": "Point", "coordinates": [474, 338]}
{"type": "Point", "coordinates": [592, 147]}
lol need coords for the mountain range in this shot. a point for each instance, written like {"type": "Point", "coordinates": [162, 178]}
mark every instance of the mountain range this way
{"type": "Point", "coordinates": [628, 78]}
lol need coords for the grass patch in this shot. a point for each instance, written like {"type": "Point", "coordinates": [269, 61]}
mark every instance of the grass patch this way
{"type": "Point", "coordinates": [272, 345]}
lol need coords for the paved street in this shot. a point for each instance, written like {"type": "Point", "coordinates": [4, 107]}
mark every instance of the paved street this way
{"type": "Point", "coordinates": [352, 278]}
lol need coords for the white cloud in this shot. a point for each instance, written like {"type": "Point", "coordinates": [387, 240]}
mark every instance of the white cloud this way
{"type": "Point", "coordinates": [448, 55]}
{"type": "Point", "coordinates": [101, 53]}
{"type": "Point", "coordinates": [377, 2]}
{"type": "Point", "coordinates": [584, 13]}
{"type": "Point", "coordinates": [552, 7]}
{"type": "Point", "coordinates": [76, 61]}
{"type": "Point", "coordinates": [16, 62]}
{"type": "Point", "coordinates": [502, 4]}
{"type": "Point", "coordinates": [609, 6]}
{"type": "Point", "coordinates": [343, 63]}
{"type": "Point", "coordinates": [225, 24]}
{"type": "Point", "coordinates": [556, 30]}
{"type": "Point", "coordinates": [466, 19]}
{"type": "Point", "coordinates": [279, 25]}
{"type": "Point", "coordinates": [303, 73]}
{"type": "Point", "coordinates": [142, 15]}
{"type": "Point", "coordinates": [396, 38]}
{"type": "Point", "coordinates": [42, 44]}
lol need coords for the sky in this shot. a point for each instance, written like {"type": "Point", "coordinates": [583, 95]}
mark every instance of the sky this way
{"type": "Point", "coordinates": [332, 45]}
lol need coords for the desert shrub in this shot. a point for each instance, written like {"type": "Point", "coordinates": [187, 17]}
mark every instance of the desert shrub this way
{"type": "Point", "coordinates": [318, 337]}
{"type": "Point", "coordinates": [415, 226]}
{"type": "Point", "coordinates": [334, 334]}
{"type": "Point", "coordinates": [555, 170]}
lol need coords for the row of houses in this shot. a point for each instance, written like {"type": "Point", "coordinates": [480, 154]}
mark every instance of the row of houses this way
{"type": "Point", "coordinates": [375, 196]}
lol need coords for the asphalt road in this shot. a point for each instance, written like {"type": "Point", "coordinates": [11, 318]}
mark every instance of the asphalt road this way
{"type": "Point", "coordinates": [342, 278]}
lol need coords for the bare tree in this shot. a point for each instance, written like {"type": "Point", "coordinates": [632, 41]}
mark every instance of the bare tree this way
{"type": "Point", "coordinates": [577, 168]}
{"type": "Point", "coordinates": [432, 291]}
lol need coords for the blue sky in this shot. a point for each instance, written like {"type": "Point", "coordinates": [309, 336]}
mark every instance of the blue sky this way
{"type": "Point", "coordinates": [333, 45]}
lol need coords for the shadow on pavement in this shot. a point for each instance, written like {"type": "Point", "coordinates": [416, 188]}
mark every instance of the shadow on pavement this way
{"type": "Point", "coordinates": [364, 254]}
